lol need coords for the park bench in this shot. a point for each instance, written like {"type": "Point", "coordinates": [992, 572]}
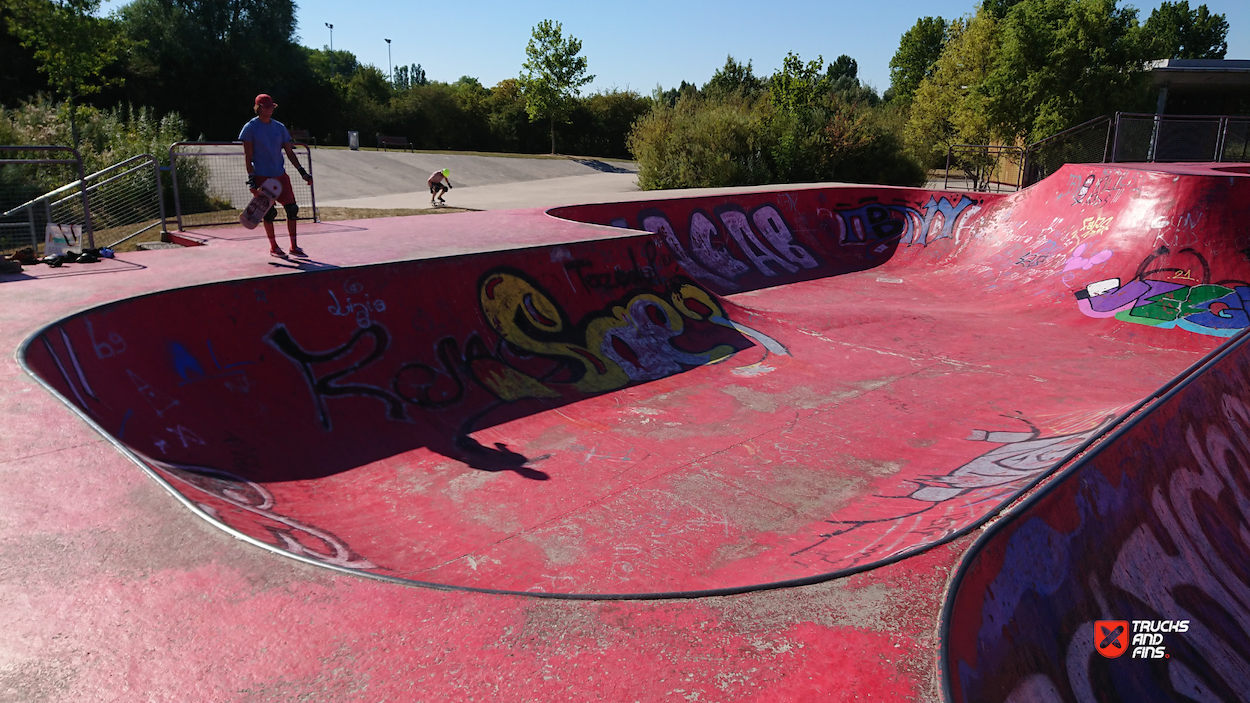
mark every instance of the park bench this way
{"type": "Point", "coordinates": [303, 136]}
{"type": "Point", "coordinates": [396, 142]}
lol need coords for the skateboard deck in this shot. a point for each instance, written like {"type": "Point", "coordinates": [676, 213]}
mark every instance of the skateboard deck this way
{"type": "Point", "coordinates": [266, 194]}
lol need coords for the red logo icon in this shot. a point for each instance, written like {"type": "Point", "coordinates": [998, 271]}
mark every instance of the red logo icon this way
{"type": "Point", "coordinates": [1111, 637]}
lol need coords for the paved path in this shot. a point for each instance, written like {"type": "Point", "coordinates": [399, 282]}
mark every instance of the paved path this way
{"type": "Point", "coordinates": [345, 177]}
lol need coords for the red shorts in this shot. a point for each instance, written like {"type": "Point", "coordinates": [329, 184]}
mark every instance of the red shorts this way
{"type": "Point", "coordinates": [288, 194]}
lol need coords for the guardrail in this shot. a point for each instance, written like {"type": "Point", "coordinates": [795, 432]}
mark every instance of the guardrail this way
{"type": "Point", "coordinates": [22, 184]}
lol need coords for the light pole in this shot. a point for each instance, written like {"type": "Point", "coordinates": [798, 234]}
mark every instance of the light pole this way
{"type": "Point", "coordinates": [388, 61]}
{"type": "Point", "coordinates": [331, 50]}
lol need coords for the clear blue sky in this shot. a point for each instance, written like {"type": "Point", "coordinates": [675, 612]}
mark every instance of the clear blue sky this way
{"type": "Point", "coordinates": [641, 43]}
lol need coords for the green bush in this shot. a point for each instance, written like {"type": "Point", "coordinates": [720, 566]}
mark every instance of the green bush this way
{"type": "Point", "coordinates": [107, 137]}
{"type": "Point", "coordinates": [700, 142]}
{"type": "Point", "coordinates": [697, 144]}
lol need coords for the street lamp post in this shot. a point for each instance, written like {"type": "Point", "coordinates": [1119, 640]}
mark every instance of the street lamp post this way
{"type": "Point", "coordinates": [388, 61]}
{"type": "Point", "coordinates": [331, 50]}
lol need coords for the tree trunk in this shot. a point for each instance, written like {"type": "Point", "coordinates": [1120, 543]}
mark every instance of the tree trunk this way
{"type": "Point", "coordinates": [73, 121]}
{"type": "Point", "coordinates": [553, 133]}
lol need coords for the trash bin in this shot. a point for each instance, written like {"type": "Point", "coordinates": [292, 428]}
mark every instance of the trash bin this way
{"type": "Point", "coordinates": [353, 140]}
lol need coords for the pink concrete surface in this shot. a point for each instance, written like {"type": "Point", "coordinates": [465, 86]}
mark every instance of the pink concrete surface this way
{"type": "Point", "coordinates": [111, 591]}
{"type": "Point", "coordinates": [915, 355]}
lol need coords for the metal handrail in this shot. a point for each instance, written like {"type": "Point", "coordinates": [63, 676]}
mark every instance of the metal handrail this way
{"type": "Point", "coordinates": [999, 149]}
{"type": "Point", "coordinates": [1064, 133]}
{"type": "Point", "coordinates": [77, 160]}
{"type": "Point", "coordinates": [156, 169]}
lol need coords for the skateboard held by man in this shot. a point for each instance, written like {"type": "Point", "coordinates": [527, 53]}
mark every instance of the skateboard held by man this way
{"type": "Point", "coordinates": [266, 195]}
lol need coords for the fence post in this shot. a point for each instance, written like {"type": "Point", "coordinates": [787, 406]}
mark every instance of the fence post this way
{"type": "Point", "coordinates": [160, 196]}
{"type": "Point", "coordinates": [1220, 139]}
{"type": "Point", "coordinates": [1115, 144]}
{"type": "Point", "coordinates": [86, 203]}
{"type": "Point", "coordinates": [1111, 132]}
{"type": "Point", "coordinates": [312, 188]}
{"type": "Point", "coordinates": [34, 228]}
{"type": "Point", "coordinates": [173, 173]}
{"type": "Point", "coordinates": [946, 180]}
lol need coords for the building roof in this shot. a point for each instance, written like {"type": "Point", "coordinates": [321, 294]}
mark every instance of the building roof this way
{"type": "Point", "coordinates": [1200, 73]}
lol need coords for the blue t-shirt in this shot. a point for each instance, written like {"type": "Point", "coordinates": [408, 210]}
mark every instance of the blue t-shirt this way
{"type": "Point", "coordinates": [267, 142]}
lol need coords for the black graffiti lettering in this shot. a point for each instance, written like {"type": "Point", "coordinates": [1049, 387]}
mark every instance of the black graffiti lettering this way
{"type": "Point", "coordinates": [419, 383]}
{"type": "Point", "coordinates": [326, 386]}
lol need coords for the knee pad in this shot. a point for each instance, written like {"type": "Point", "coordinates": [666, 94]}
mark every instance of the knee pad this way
{"type": "Point", "coordinates": [272, 214]}
{"type": "Point", "coordinates": [291, 211]}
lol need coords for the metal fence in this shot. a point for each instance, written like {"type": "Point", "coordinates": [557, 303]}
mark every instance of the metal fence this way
{"type": "Point", "coordinates": [210, 183]}
{"type": "Point", "coordinates": [125, 201]}
{"type": "Point", "coordinates": [983, 168]}
{"type": "Point", "coordinates": [1179, 138]}
{"type": "Point", "coordinates": [1141, 138]}
{"type": "Point", "coordinates": [31, 177]}
{"type": "Point", "coordinates": [1086, 143]}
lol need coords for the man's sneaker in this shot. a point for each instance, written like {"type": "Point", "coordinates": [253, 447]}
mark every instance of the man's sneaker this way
{"type": "Point", "coordinates": [278, 254]}
{"type": "Point", "coordinates": [296, 251]}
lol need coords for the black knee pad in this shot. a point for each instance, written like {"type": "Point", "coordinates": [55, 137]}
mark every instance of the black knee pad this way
{"type": "Point", "coordinates": [291, 211]}
{"type": "Point", "coordinates": [272, 214]}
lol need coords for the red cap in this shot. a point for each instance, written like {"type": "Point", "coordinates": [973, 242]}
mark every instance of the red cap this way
{"type": "Point", "coordinates": [264, 100]}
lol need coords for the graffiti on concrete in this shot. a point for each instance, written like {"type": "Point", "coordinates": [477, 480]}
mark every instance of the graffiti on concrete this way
{"type": "Point", "coordinates": [987, 479]}
{"type": "Point", "coordinates": [722, 246]}
{"type": "Point", "coordinates": [361, 308]}
{"type": "Point", "coordinates": [253, 511]}
{"type": "Point", "coordinates": [1096, 191]}
{"type": "Point", "coordinates": [1170, 297]}
{"type": "Point", "coordinates": [878, 224]}
{"type": "Point", "coordinates": [1143, 535]}
{"type": "Point", "coordinates": [541, 353]}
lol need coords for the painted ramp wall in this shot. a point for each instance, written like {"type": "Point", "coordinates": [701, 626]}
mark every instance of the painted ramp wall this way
{"type": "Point", "coordinates": [770, 388]}
{"type": "Point", "coordinates": [1128, 577]}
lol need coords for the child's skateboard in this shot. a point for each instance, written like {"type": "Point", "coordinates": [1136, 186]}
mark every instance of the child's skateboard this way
{"type": "Point", "coordinates": [266, 194]}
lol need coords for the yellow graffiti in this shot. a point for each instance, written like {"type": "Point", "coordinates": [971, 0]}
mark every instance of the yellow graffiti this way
{"type": "Point", "coordinates": [508, 300]}
{"type": "Point", "coordinates": [1095, 226]}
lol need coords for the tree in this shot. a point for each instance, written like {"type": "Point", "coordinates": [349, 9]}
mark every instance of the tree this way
{"type": "Point", "coordinates": [71, 44]}
{"type": "Point", "coordinates": [917, 55]}
{"type": "Point", "coordinates": [949, 104]}
{"type": "Point", "coordinates": [733, 79]}
{"type": "Point", "coordinates": [1063, 62]}
{"type": "Point", "coordinates": [21, 77]}
{"type": "Point", "coordinates": [207, 59]}
{"type": "Point", "coordinates": [1173, 31]}
{"type": "Point", "coordinates": [798, 86]}
{"type": "Point", "coordinates": [553, 74]}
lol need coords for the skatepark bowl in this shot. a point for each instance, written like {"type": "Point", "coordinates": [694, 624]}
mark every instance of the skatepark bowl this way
{"type": "Point", "coordinates": [706, 395]}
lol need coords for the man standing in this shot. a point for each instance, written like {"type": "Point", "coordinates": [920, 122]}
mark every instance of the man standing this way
{"type": "Point", "coordinates": [264, 139]}
{"type": "Point", "coordinates": [439, 184]}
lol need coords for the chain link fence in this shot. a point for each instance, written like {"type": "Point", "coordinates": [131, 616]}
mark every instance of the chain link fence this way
{"type": "Point", "coordinates": [1141, 138]}
{"type": "Point", "coordinates": [1086, 143]}
{"type": "Point", "coordinates": [31, 179]}
{"type": "Point", "coordinates": [210, 184]}
{"type": "Point", "coordinates": [982, 168]}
